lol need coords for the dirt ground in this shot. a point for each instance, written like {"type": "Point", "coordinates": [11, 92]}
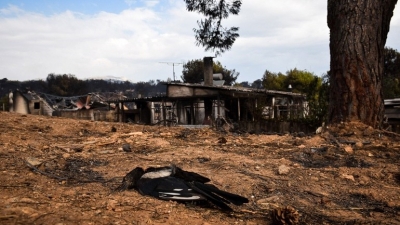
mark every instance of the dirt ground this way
{"type": "Point", "coordinates": [63, 171]}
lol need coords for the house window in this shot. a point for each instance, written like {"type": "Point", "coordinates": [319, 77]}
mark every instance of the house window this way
{"type": "Point", "coordinates": [157, 108]}
{"type": "Point", "coordinates": [36, 105]}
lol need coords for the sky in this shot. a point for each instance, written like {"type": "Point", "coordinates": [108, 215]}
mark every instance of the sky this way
{"type": "Point", "coordinates": [142, 40]}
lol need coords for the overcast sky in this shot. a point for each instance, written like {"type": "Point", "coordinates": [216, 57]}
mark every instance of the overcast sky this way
{"type": "Point", "coordinates": [132, 39]}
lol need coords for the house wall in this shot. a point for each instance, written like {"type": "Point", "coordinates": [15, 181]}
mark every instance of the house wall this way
{"type": "Point", "coordinates": [20, 105]}
{"type": "Point", "coordinates": [90, 114]}
{"type": "Point", "coordinates": [109, 116]}
{"type": "Point", "coordinates": [35, 107]}
{"type": "Point", "coordinates": [47, 110]}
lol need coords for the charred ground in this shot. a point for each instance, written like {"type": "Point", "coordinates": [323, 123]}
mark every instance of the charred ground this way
{"type": "Point", "coordinates": [63, 171]}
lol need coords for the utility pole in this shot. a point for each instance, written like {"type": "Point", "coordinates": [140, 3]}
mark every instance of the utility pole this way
{"type": "Point", "coordinates": [173, 67]}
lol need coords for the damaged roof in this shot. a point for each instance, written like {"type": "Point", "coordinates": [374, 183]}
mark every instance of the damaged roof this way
{"type": "Point", "coordinates": [232, 90]}
{"type": "Point", "coordinates": [90, 101]}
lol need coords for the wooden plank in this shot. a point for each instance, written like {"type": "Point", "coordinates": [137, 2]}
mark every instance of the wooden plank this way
{"type": "Point", "coordinates": [184, 92]}
{"type": "Point", "coordinates": [198, 92]}
{"type": "Point", "coordinates": [179, 91]}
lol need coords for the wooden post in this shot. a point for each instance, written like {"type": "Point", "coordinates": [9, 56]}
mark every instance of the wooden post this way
{"type": "Point", "coordinates": [178, 111]}
{"type": "Point", "coordinates": [218, 105]}
{"type": "Point", "coordinates": [118, 111]}
{"type": "Point", "coordinates": [255, 109]}
{"type": "Point", "coordinates": [272, 109]}
{"type": "Point", "coordinates": [140, 113]}
{"type": "Point", "coordinates": [164, 113]}
{"type": "Point", "coordinates": [192, 113]}
{"type": "Point", "coordinates": [123, 112]}
{"type": "Point", "coordinates": [238, 109]}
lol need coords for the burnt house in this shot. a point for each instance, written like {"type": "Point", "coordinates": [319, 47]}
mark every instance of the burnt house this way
{"type": "Point", "coordinates": [392, 114]}
{"type": "Point", "coordinates": [29, 102]}
{"type": "Point", "coordinates": [90, 107]}
{"type": "Point", "coordinates": [204, 104]}
{"type": "Point", "coordinates": [210, 101]}
{"type": "Point", "coordinates": [198, 104]}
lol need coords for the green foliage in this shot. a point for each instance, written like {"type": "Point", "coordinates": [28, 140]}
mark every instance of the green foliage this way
{"type": "Point", "coordinates": [71, 86]}
{"type": "Point", "coordinates": [65, 85]}
{"type": "Point", "coordinates": [9, 85]}
{"type": "Point", "coordinates": [392, 62]}
{"type": "Point", "coordinates": [193, 72]}
{"type": "Point", "coordinates": [150, 88]}
{"type": "Point", "coordinates": [318, 99]}
{"type": "Point", "coordinates": [211, 34]}
{"type": "Point", "coordinates": [274, 81]}
{"type": "Point", "coordinates": [316, 89]}
{"type": "Point", "coordinates": [391, 75]}
{"type": "Point", "coordinates": [391, 87]}
{"type": "Point", "coordinates": [313, 87]}
{"type": "Point", "coordinates": [257, 84]}
{"type": "Point", "coordinates": [4, 103]}
{"type": "Point", "coordinates": [229, 76]}
{"type": "Point", "coordinates": [300, 80]}
{"type": "Point", "coordinates": [97, 85]}
{"type": "Point", "coordinates": [243, 84]}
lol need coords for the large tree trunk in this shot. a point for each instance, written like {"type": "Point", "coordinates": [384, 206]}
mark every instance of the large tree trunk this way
{"type": "Point", "coordinates": [358, 32]}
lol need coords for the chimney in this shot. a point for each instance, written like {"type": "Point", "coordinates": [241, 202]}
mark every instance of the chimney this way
{"type": "Point", "coordinates": [208, 71]}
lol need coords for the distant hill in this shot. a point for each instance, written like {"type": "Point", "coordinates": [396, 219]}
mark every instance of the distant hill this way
{"type": "Point", "coordinates": [114, 79]}
{"type": "Point", "coordinates": [98, 84]}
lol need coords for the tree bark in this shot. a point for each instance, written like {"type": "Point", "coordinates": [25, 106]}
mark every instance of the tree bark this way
{"type": "Point", "coordinates": [358, 33]}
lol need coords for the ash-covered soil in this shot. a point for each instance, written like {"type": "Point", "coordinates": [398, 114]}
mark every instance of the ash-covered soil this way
{"type": "Point", "coordinates": [64, 171]}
